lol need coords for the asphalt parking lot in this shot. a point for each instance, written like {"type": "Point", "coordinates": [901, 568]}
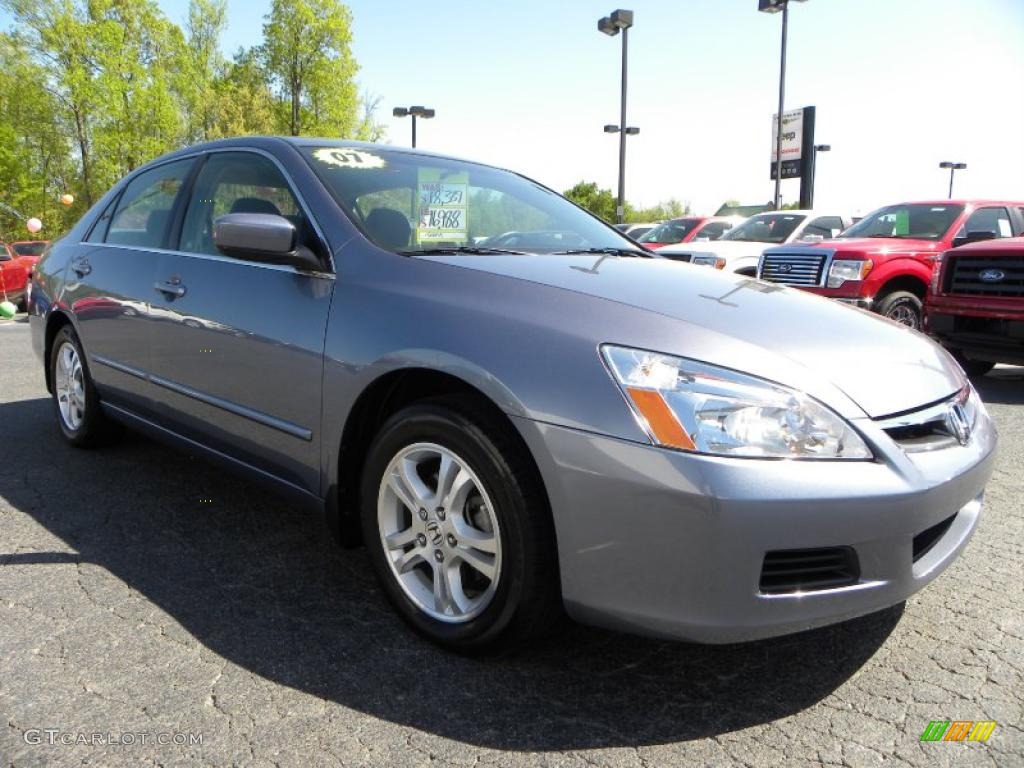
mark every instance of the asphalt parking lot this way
{"type": "Point", "coordinates": [146, 593]}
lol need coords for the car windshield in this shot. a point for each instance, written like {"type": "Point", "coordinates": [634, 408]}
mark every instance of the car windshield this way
{"type": "Point", "coordinates": [669, 232]}
{"type": "Point", "coordinates": [920, 221]}
{"type": "Point", "coordinates": [29, 249]}
{"type": "Point", "coordinates": [766, 228]}
{"type": "Point", "coordinates": [412, 203]}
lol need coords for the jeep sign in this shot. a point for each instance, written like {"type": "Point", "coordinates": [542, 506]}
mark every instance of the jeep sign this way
{"type": "Point", "coordinates": [792, 142]}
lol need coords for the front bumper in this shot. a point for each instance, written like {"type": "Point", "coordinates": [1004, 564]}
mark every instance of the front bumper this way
{"type": "Point", "coordinates": [670, 544]}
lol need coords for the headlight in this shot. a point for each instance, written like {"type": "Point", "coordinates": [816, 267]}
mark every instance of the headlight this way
{"type": "Point", "coordinates": [697, 407]}
{"type": "Point", "coordinates": [848, 269]}
{"type": "Point", "coordinates": [709, 261]}
{"type": "Point", "coordinates": [937, 271]}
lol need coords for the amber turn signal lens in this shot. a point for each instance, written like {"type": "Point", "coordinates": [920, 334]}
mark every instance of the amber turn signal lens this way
{"type": "Point", "coordinates": [663, 423]}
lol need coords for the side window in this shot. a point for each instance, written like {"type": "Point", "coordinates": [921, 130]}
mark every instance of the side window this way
{"type": "Point", "coordinates": [714, 230]}
{"type": "Point", "coordinates": [993, 220]}
{"type": "Point", "coordinates": [98, 233]}
{"type": "Point", "coordinates": [236, 182]}
{"type": "Point", "coordinates": [826, 226]}
{"type": "Point", "coordinates": [143, 214]}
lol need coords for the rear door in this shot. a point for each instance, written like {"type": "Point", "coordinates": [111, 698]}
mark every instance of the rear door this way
{"type": "Point", "coordinates": [110, 280]}
{"type": "Point", "coordinates": [238, 347]}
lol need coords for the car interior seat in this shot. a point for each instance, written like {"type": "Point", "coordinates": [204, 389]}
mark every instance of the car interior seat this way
{"type": "Point", "coordinates": [388, 228]}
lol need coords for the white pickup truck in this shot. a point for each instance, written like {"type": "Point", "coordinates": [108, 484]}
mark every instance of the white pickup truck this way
{"type": "Point", "coordinates": [739, 249]}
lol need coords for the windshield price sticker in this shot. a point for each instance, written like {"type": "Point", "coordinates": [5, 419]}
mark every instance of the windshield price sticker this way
{"type": "Point", "coordinates": [345, 157]}
{"type": "Point", "coordinates": [443, 202]}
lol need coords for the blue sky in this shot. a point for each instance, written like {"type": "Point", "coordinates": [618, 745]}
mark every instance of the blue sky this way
{"type": "Point", "coordinates": [899, 85]}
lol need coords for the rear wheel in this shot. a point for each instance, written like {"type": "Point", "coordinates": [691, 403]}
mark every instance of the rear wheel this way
{"type": "Point", "coordinates": [76, 405]}
{"type": "Point", "coordinates": [903, 307]}
{"type": "Point", "coordinates": [458, 528]}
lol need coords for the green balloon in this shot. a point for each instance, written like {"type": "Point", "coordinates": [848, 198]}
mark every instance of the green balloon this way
{"type": "Point", "coordinates": [7, 309]}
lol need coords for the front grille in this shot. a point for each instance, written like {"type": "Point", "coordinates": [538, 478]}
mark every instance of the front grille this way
{"type": "Point", "coordinates": [793, 268]}
{"type": "Point", "coordinates": [928, 428]}
{"type": "Point", "coordinates": [929, 537]}
{"type": "Point", "coordinates": [678, 256]}
{"type": "Point", "coordinates": [964, 276]}
{"type": "Point", "coordinates": [807, 570]}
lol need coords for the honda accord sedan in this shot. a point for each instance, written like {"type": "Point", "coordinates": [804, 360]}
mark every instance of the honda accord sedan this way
{"type": "Point", "coordinates": [561, 425]}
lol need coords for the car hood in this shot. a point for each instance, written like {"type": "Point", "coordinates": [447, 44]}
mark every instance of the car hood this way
{"type": "Point", "coordinates": [727, 249]}
{"type": "Point", "coordinates": [878, 245]}
{"type": "Point", "coordinates": [781, 334]}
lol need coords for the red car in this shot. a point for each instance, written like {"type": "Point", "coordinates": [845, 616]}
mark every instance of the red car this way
{"type": "Point", "coordinates": [975, 305]}
{"type": "Point", "coordinates": [885, 261]}
{"type": "Point", "coordinates": [13, 277]}
{"type": "Point", "coordinates": [28, 252]}
{"type": "Point", "coordinates": [685, 229]}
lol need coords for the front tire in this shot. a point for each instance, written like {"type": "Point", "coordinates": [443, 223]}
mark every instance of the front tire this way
{"type": "Point", "coordinates": [458, 528]}
{"type": "Point", "coordinates": [902, 307]}
{"type": "Point", "coordinates": [76, 405]}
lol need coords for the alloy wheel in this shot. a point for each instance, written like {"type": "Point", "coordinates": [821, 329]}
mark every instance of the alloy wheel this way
{"type": "Point", "coordinates": [70, 385]}
{"type": "Point", "coordinates": [439, 532]}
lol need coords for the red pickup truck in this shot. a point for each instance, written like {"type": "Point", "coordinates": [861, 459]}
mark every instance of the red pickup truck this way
{"type": "Point", "coordinates": [885, 261]}
{"type": "Point", "coordinates": [975, 305]}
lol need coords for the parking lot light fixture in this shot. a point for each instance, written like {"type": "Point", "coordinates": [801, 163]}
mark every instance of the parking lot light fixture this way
{"type": "Point", "coordinates": [413, 112]}
{"type": "Point", "coordinates": [620, 21]}
{"type": "Point", "coordinates": [953, 168]}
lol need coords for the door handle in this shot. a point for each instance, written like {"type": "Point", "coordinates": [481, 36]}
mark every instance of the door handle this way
{"type": "Point", "coordinates": [81, 267]}
{"type": "Point", "coordinates": [172, 288]}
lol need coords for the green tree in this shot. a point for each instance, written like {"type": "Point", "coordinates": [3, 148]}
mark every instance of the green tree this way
{"type": "Point", "coordinates": [666, 209]}
{"type": "Point", "coordinates": [600, 202]}
{"type": "Point", "coordinates": [306, 53]}
{"type": "Point", "coordinates": [205, 68]}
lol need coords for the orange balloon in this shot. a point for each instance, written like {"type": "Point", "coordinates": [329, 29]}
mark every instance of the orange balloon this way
{"type": "Point", "coordinates": [67, 199]}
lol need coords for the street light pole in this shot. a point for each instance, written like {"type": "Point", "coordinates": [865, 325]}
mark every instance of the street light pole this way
{"type": "Point", "coordinates": [413, 112]}
{"type": "Point", "coordinates": [953, 168]}
{"type": "Point", "coordinates": [611, 25]}
{"type": "Point", "coordinates": [774, 6]}
{"type": "Point", "coordinates": [782, 102]}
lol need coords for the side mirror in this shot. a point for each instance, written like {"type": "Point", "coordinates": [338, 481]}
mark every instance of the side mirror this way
{"type": "Point", "coordinates": [263, 237]}
{"type": "Point", "coordinates": [974, 236]}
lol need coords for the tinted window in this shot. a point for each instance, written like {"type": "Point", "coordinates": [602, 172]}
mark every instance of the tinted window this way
{"type": "Point", "coordinates": [143, 214]}
{"type": "Point", "coordinates": [236, 182]}
{"type": "Point", "coordinates": [920, 221]}
{"type": "Point", "coordinates": [670, 232]}
{"type": "Point", "coordinates": [826, 226]}
{"type": "Point", "coordinates": [98, 233]}
{"type": "Point", "coordinates": [29, 249]}
{"type": "Point", "coordinates": [411, 202]}
{"type": "Point", "coordinates": [766, 228]}
{"type": "Point", "coordinates": [713, 230]}
{"type": "Point", "coordinates": [993, 220]}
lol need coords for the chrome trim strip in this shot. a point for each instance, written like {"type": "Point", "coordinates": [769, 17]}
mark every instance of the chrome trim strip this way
{"type": "Point", "coordinates": [934, 412]}
{"type": "Point", "coordinates": [124, 413]}
{"type": "Point", "coordinates": [213, 257]}
{"type": "Point", "coordinates": [245, 412]}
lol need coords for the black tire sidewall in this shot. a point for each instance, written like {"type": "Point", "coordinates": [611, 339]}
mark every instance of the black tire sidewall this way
{"type": "Point", "coordinates": [893, 300]}
{"type": "Point", "coordinates": [450, 429]}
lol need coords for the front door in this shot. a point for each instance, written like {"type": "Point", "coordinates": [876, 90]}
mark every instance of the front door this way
{"type": "Point", "coordinates": [238, 347]}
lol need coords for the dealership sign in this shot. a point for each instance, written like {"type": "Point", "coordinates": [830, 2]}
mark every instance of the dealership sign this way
{"type": "Point", "coordinates": [792, 142]}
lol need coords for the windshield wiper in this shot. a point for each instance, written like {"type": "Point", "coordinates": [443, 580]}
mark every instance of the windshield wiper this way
{"type": "Point", "coordinates": [455, 249]}
{"type": "Point", "coordinates": [608, 251]}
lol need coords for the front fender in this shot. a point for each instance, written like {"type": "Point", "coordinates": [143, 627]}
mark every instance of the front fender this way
{"type": "Point", "coordinates": [888, 270]}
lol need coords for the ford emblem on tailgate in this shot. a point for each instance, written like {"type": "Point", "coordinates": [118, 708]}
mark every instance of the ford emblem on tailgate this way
{"type": "Point", "coordinates": [992, 275]}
